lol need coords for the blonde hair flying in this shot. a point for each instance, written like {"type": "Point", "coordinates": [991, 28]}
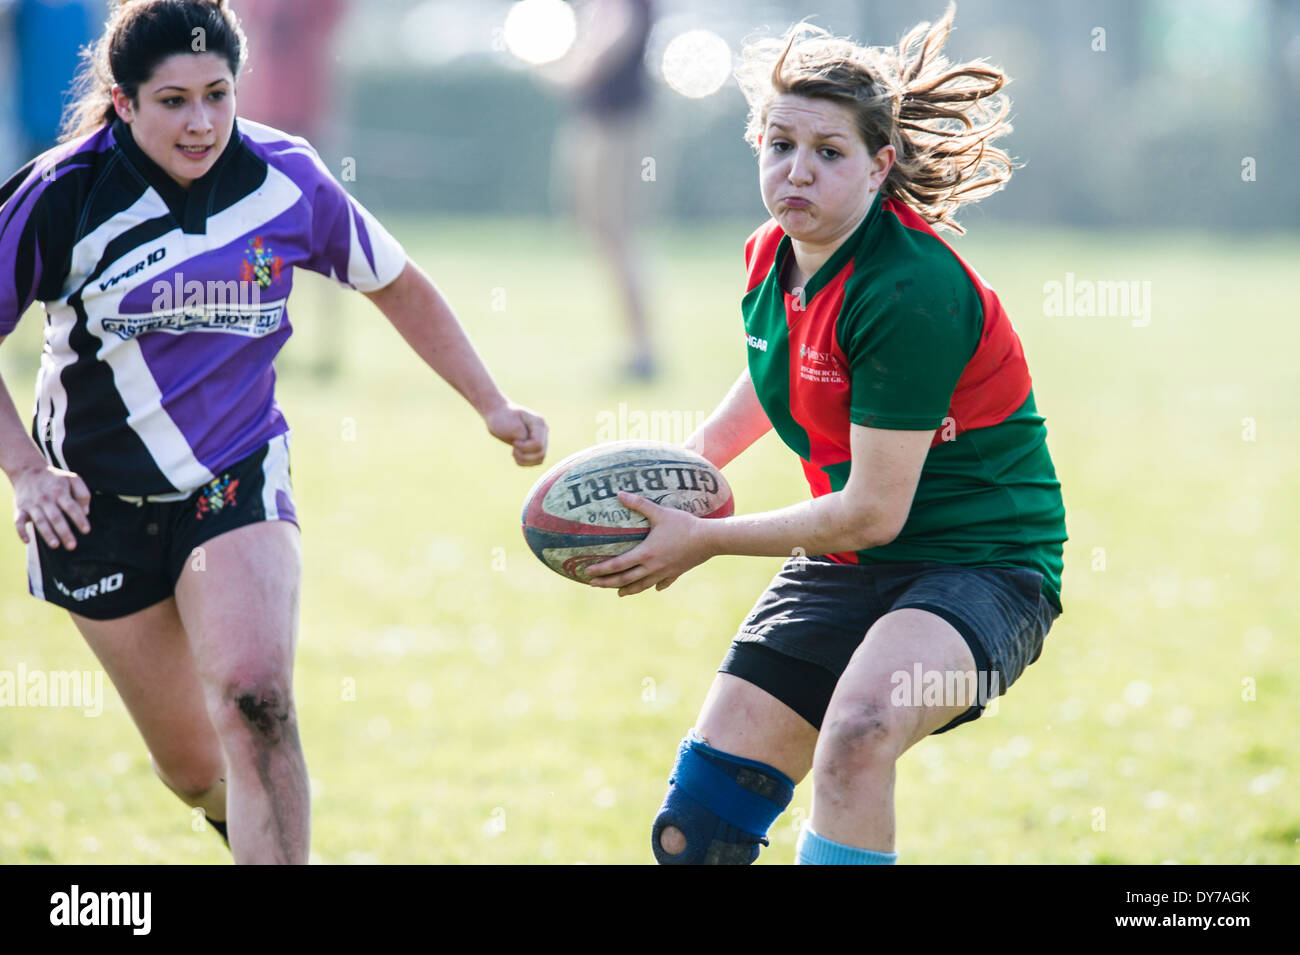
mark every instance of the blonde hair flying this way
{"type": "Point", "coordinates": [940, 118]}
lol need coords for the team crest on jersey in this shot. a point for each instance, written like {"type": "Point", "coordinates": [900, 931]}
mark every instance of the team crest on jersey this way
{"type": "Point", "coordinates": [261, 264]}
{"type": "Point", "coordinates": [217, 495]}
{"type": "Point", "coordinates": [821, 367]}
{"type": "Point", "coordinates": [820, 357]}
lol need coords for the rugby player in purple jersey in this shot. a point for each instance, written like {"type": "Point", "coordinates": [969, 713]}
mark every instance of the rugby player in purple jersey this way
{"type": "Point", "coordinates": [161, 237]}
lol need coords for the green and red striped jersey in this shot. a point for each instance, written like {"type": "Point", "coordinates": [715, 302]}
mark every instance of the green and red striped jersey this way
{"type": "Point", "coordinates": [896, 331]}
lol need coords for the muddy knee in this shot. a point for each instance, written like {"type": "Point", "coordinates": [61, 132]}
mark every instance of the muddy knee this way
{"type": "Point", "coordinates": [262, 711]}
{"type": "Point", "coordinates": [856, 739]}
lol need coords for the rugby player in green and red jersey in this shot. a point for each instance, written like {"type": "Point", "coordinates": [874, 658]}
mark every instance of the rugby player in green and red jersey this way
{"type": "Point", "coordinates": [934, 535]}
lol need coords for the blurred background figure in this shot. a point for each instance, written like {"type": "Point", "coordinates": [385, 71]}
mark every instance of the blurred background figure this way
{"type": "Point", "coordinates": [600, 150]}
{"type": "Point", "coordinates": [289, 83]}
{"type": "Point", "coordinates": [47, 37]}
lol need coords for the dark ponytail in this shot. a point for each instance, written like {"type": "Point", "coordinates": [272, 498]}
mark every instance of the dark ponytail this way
{"type": "Point", "coordinates": [138, 36]}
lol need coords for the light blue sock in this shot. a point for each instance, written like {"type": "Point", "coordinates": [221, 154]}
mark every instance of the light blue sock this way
{"type": "Point", "coordinates": [817, 850]}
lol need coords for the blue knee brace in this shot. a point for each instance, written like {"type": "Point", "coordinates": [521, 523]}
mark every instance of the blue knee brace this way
{"type": "Point", "coordinates": [722, 804]}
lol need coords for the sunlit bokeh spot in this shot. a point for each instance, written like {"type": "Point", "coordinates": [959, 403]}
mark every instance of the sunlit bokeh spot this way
{"type": "Point", "coordinates": [540, 31]}
{"type": "Point", "coordinates": [1137, 693]}
{"type": "Point", "coordinates": [696, 63]}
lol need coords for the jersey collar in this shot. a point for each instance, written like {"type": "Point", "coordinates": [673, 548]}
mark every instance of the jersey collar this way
{"type": "Point", "coordinates": [847, 250]}
{"type": "Point", "coordinates": [189, 207]}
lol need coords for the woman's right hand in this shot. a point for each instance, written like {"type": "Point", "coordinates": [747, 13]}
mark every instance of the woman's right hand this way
{"type": "Point", "coordinates": [48, 497]}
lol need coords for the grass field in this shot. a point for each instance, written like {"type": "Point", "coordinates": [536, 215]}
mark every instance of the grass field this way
{"type": "Point", "coordinates": [460, 703]}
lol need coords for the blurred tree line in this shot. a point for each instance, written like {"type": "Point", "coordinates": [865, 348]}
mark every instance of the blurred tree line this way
{"type": "Point", "coordinates": [1126, 112]}
{"type": "Point", "coordinates": [1167, 113]}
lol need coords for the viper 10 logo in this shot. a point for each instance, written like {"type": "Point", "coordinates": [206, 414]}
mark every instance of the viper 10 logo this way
{"type": "Point", "coordinates": [106, 585]}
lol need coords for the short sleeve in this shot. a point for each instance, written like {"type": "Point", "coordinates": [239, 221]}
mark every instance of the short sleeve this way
{"type": "Point", "coordinates": [23, 232]}
{"type": "Point", "coordinates": [907, 349]}
{"type": "Point", "coordinates": [348, 244]}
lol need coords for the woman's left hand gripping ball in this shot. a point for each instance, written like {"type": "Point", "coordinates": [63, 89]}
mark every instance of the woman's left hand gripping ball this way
{"type": "Point", "coordinates": [673, 546]}
{"type": "Point", "coordinates": [524, 430]}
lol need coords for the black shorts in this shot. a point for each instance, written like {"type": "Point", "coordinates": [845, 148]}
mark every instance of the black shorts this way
{"type": "Point", "coordinates": [801, 634]}
{"type": "Point", "coordinates": [138, 547]}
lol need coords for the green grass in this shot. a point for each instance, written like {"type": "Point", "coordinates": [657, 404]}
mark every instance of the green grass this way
{"type": "Point", "coordinates": [487, 689]}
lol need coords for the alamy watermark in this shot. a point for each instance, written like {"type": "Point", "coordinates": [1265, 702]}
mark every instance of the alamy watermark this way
{"type": "Point", "coordinates": [78, 689]}
{"type": "Point", "coordinates": [180, 304]}
{"type": "Point", "coordinates": [922, 687]}
{"type": "Point", "coordinates": [658, 424]}
{"type": "Point", "coordinates": [1086, 298]}
{"type": "Point", "coordinates": [128, 909]}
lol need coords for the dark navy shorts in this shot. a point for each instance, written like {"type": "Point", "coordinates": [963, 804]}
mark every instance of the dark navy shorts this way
{"type": "Point", "coordinates": [799, 637]}
{"type": "Point", "coordinates": [138, 547]}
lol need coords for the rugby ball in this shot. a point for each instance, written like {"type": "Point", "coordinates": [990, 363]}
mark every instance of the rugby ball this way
{"type": "Point", "coordinates": [572, 517]}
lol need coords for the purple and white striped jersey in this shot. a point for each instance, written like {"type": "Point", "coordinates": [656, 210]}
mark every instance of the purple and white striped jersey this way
{"type": "Point", "coordinates": [165, 307]}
